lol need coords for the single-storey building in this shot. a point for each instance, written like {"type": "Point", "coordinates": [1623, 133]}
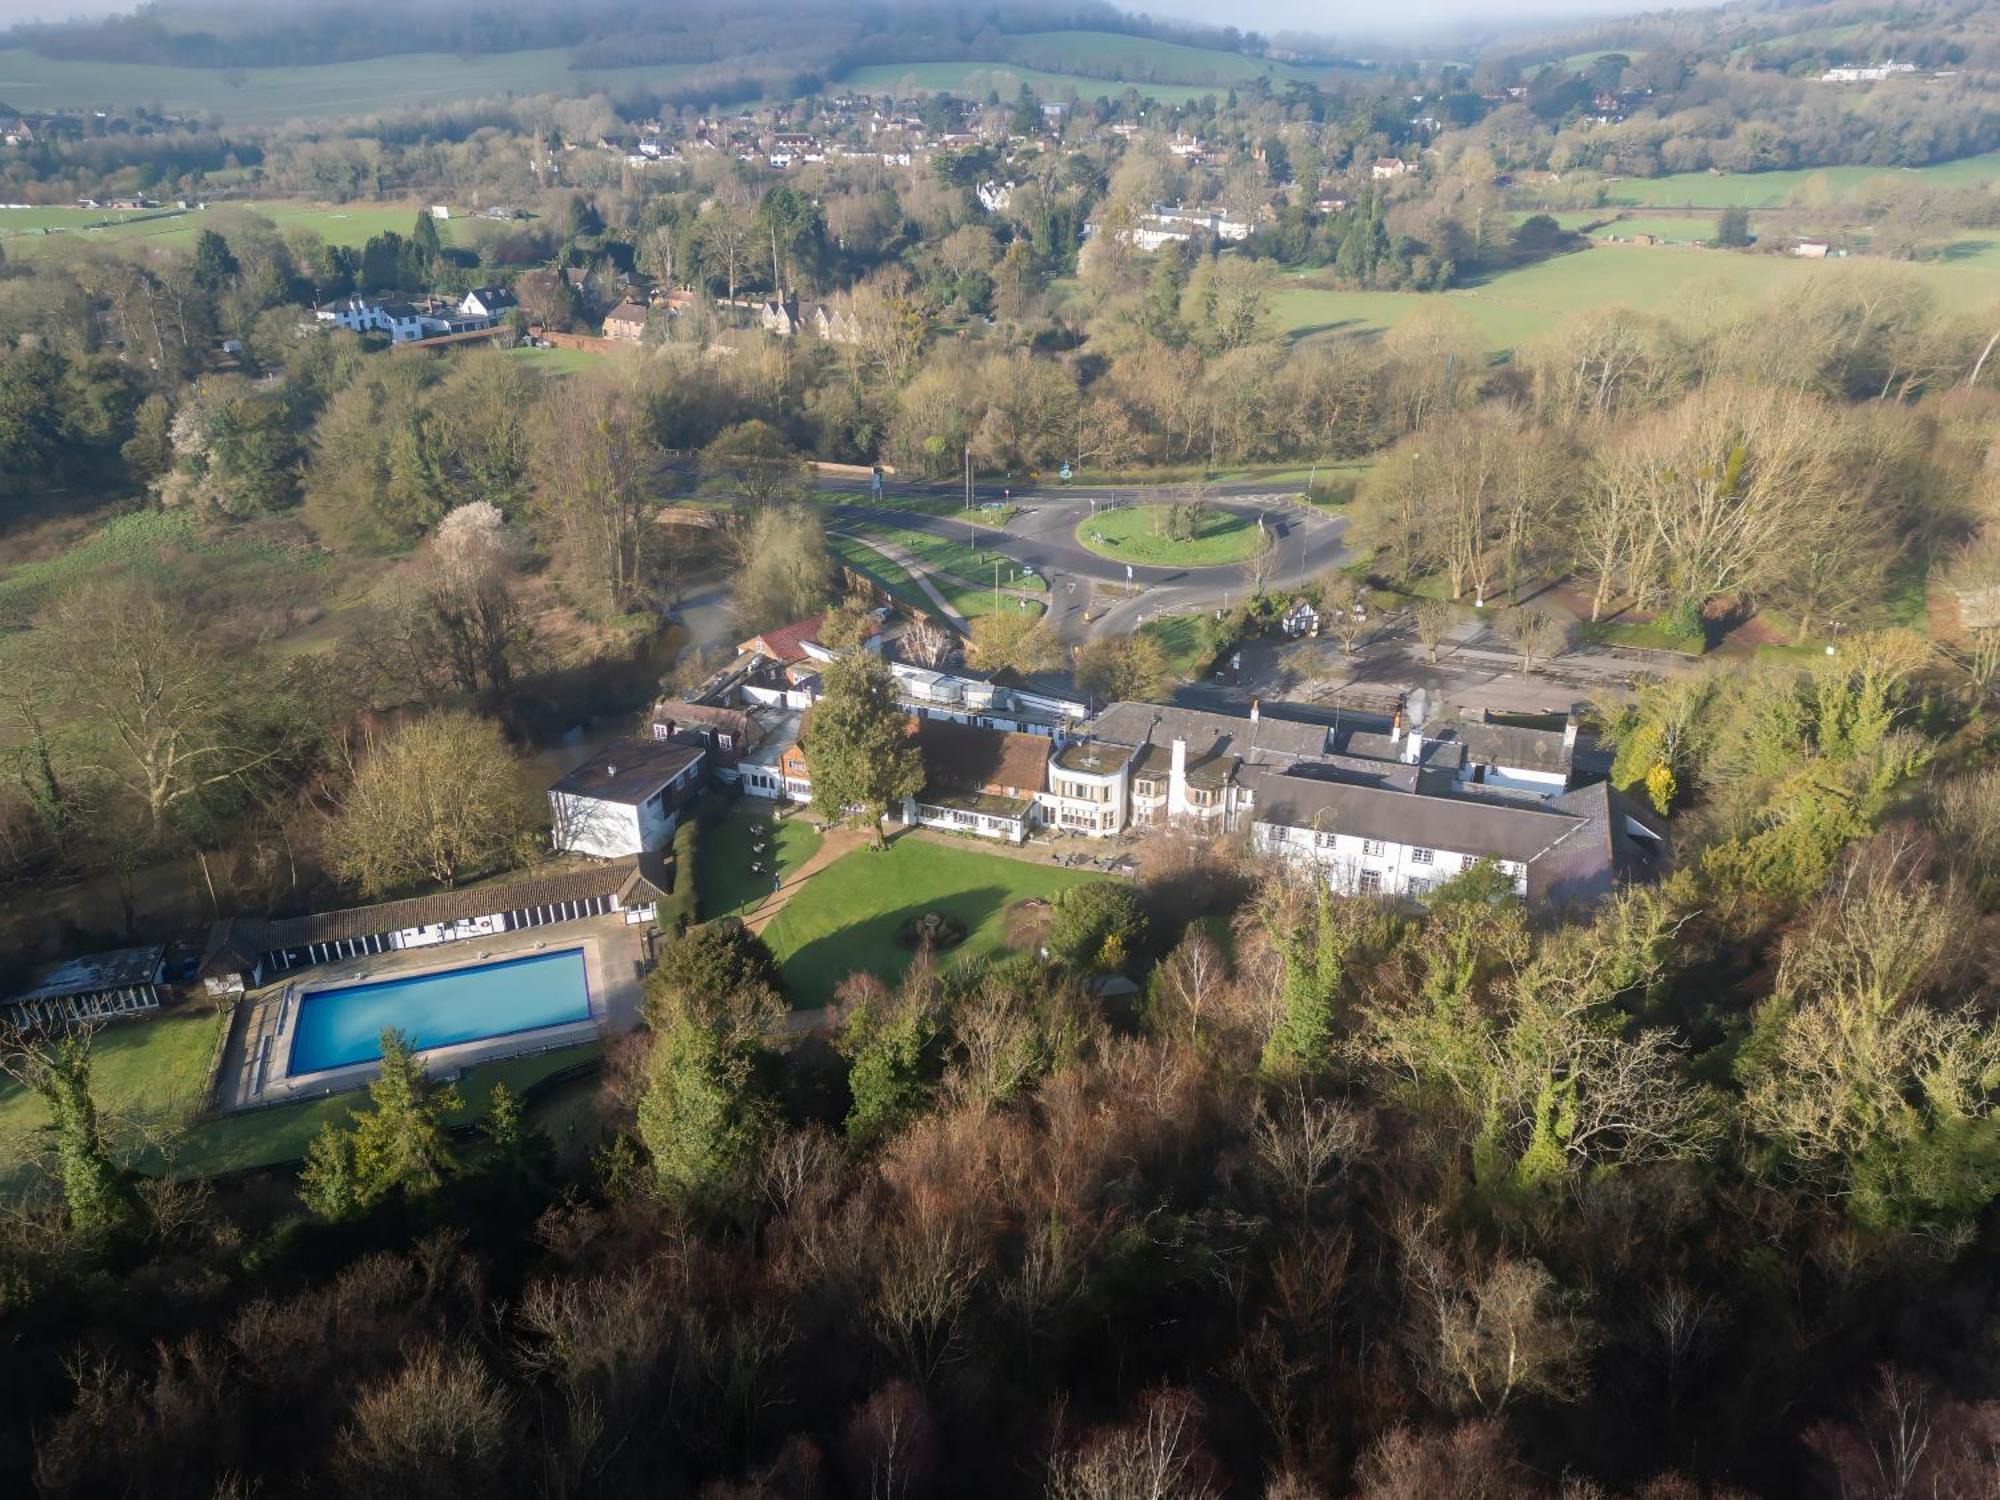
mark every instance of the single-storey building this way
{"type": "Point", "coordinates": [243, 952]}
{"type": "Point", "coordinates": [627, 798]}
{"type": "Point", "coordinates": [978, 781]}
{"type": "Point", "coordinates": [95, 987]}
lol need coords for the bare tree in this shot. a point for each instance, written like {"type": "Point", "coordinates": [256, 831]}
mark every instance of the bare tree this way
{"type": "Point", "coordinates": [1305, 1144]}
{"type": "Point", "coordinates": [1191, 979]}
{"type": "Point", "coordinates": [927, 643]}
{"type": "Point", "coordinates": [1534, 632]}
{"type": "Point", "coordinates": [1154, 1458]}
{"type": "Point", "coordinates": [1434, 619]}
{"type": "Point", "coordinates": [1344, 612]}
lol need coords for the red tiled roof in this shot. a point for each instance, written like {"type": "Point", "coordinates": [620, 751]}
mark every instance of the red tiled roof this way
{"type": "Point", "coordinates": [786, 645]}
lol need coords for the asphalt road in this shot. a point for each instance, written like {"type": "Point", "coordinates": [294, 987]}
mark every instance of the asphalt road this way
{"type": "Point", "coordinates": [1088, 594]}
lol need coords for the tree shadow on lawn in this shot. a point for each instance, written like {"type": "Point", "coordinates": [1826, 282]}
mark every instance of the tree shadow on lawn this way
{"type": "Point", "coordinates": [869, 945]}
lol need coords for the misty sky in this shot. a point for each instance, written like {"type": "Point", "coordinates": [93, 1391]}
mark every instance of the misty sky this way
{"type": "Point", "coordinates": [1343, 19]}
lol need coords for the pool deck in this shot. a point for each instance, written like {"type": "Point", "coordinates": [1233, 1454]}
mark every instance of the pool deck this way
{"type": "Point", "coordinates": [260, 1033]}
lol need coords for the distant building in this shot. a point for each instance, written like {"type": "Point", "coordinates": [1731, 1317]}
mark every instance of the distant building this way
{"type": "Point", "coordinates": [1388, 168]}
{"type": "Point", "coordinates": [1868, 73]}
{"type": "Point", "coordinates": [487, 302]}
{"type": "Point", "coordinates": [626, 322]}
{"type": "Point", "coordinates": [1811, 249]}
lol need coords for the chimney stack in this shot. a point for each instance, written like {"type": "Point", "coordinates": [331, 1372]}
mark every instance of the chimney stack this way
{"type": "Point", "coordinates": [1254, 702]}
{"type": "Point", "coordinates": [1177, 780]}
{"type": "Point", "coordinates": [1569, 731]}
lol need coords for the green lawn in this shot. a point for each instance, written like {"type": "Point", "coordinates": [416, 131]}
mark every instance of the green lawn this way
{"type": "Point", "coordinates": [280, 1135]}
{"type": "Point", "coordinates": [1185, 640]}
{"type": "Point", "coordinates": [146, 1074]}
{"type": "Point", "coordinates": [558, 361]}
{"type": "Point", "coordinates": [1133, 534]}
{"type": "Point", "coordinates": [975, 79]}
{"type": "Point", "coordinates": [845, 918]}
{"type": "Point", "coordinates": [965, 558]}
{"type": "Point", "coordinates": [727, 885]}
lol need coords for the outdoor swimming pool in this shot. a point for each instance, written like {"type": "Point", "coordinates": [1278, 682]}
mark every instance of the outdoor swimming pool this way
{"type": "Point", "coordinates": [338, 1028]}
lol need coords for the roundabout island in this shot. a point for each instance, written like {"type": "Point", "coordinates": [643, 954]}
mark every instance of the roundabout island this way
{"type": "Point", "coordinates": [1156, 536]}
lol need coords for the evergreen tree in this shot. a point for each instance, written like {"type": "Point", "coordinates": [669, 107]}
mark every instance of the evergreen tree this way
{"type": "Point", "coordinates": [703, 1117]}
{"type": "Point", "coordinates": [426, 250]}
{"type": "Point", "coordinates": [1315, 964]}
{"type": "Point", "coordinates": [859, 745]}
{"type": "Point", "coordinates": [891, 1065]}
{"type": "Point", "coordinates": [399, 1142]}
{"type": "Point", "coordinates": [215, 265]}
{"type": "Point", "coordinates": [326, 1182]}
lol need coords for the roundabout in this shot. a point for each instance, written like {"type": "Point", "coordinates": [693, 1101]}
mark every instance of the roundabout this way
{"type": "Point", "coordinates": [1153, 536]}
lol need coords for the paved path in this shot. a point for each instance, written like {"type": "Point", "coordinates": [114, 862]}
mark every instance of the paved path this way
{"type": "Point", "coordinates": [917, 569]}
{"type": "Point", "coordinates": [842, 841]}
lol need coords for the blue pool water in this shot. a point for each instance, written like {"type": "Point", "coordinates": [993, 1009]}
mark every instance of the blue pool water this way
{"type": "Point", "coordinates": [337, 1028]}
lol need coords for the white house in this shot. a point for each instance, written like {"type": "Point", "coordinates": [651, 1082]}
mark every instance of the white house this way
{"type": "Point", "coordinates": [627, 798]}
{"type": "Point", "coordinates": [1300, 619]}
{"type": "Point", "coordinates": [405, 322]}
{"type": "Point", "coordinates": [1388, 168]}
{"type": "Point", "coordinates": [994, 196]}
{"type": "Point", "coordinates": [487, 302]}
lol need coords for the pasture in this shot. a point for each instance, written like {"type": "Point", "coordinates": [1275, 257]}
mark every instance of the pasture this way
{"type": "Point", "coordinates": [33, 231]}
{"type": "Point", "coordinates": [1804, 186]}
{"type": "Point", "coordinates": [1516, 306]}
{"type": "Point", "coordinates": [276, 96]}
{"type": "Point", "coordinates": [975, 79]}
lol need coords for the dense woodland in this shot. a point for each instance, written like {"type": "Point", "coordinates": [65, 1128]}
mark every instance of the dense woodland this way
{"type": "Point", "coordinates": [1687, 1198]}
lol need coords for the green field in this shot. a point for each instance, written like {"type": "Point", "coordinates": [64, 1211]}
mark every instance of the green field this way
{"type": "Point", "coordinates": [976, 79]}
{"type": "Point", "coordinates": [1804, 185]}
{"type": "Point", "coordinates": [1132, 534]}
{"type": "Point", "coordinates": [1185, 640]}
{"type": "Point", "coordinates": [1516, 306]}
{"type": "Point", "coordinates": [33, 231]}
{"type": "Point", "coordinates": [273, 96]}
{"type": "Point", "coordinates": [1141, 59]}
{"type": "Point", "coordinates": [146, 1075]}
{"type": "Point", "coordinates": [558, 361]}
{"type": "Point", "coordinates": [728, 886]}
{"type": "Point", "coordinates": [845, 918]}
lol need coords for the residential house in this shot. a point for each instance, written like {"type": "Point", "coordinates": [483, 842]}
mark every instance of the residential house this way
{"type": "Point", "coordinates": [779, 314]}
{"type": "Point", "coordinates": [406, 322]}
{"type": "Point", "coordinates": [994, 196]}
{"type": "Point", "coordinates": [95, 987]}
{"type": "Point", "coordinates": [626, 322]}
{"type": "Point", "coordinates": [1867, 74]}
{"type": "Point", "coordinates": [487, 302]}
{"type": "Point", "coordinates": [835, 324]}
{"type": "Point", "coordinates": [627, 798]}
{"type": "Point", "coordinates": [1300, 619]}
{"type": "Point", "coordinates": [1165, 224]}
{"type": "Point", "coordinates": [1811, 249]}
{"type": "Point", "coordinates": [984, 782]}
{"type": "Point", "coordinates": [795, 650]}
{"type": "Point", "coordinates": [1388, 168]}
{"type": "Point", "coordinates": [774, 767]}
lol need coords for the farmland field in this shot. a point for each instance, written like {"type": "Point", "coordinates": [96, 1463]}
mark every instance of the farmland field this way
{"type": "Point", "coordinates": [1777, 189]}
{"type": "Point", "coordinates": [976, 78]}
{"type": "Point", "coordinates": [1515, 306]}
{"type": "Point", "coordinates": [31, 231]}
{"type": "Point", "coordinates": [272, 96]}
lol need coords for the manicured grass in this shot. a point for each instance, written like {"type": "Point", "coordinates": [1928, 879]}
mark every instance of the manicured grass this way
{"type": "Point", "coordinates": [277, 1136]}
{"type": "Point", "coordinates": [975, 79]}
{"type": "Point", "coordinates": [1185, 640]}
{"type": "Point", "coordinates": [845, 918]}
{"type": "Point", "coordinates": [969, 561]}
{"type": "Point", "coordinates": [886, 571]}
{"type": "Point", "coordinates": [1135, 534]}
{"type": "Point", "coordinates": [145, 1074]}
{"type": "Point", "coordinates": [728, 886]}
{"type": "Point", "coordinates": [272, 96]}
{"type": "Point", "coordinates": [1650, 635]}
{"type": "Point", "coordinates": [558, 361]}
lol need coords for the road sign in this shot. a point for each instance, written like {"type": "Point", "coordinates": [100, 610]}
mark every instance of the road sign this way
{"type": "Point", "coordinates": [1128, 572]}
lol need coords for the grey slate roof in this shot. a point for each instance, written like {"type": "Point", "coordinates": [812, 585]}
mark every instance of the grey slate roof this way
{"type": "Point", "coordinates": [628, 771]}
{"type": "Point", "coordinates": [1513, 831]}
{"type": "Point", "coordinates": [1263, 741]}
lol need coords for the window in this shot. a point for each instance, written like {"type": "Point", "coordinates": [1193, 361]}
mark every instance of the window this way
{"type": "Point", "coordinates": [1325, 840]}
{"type": "Point", "coordinates": [1146, 788]}
{"type": "Point", "coordinates": [1417, 888]}
{"type": "Point", "coordinates": [1201, 798]}
{"type": "Point", "coordinates": [1374, 846]}
{"type": "Point", "coordinates": [1467, 861]}
{"type": "Point", "coordinates": [1371, 882]}
{"type": "Point", "coordinates": [1421, 856]}
{"type": "Point", "coordinates": [726, 741]}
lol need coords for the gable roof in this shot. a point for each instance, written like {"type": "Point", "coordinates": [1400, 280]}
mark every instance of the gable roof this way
{"type": "Point", "coordinates": [965, 757]}
{"type": "Point", "coordinates": [786, 644]}
{"type": "Point", "coordinates": [681, 714]}
{"type": "Point", "coordinates": [627, 311]}
{"type": "Point", "coordinates": [629, 771]}
{"type": "Point", "coordinates": [1518, 831]}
